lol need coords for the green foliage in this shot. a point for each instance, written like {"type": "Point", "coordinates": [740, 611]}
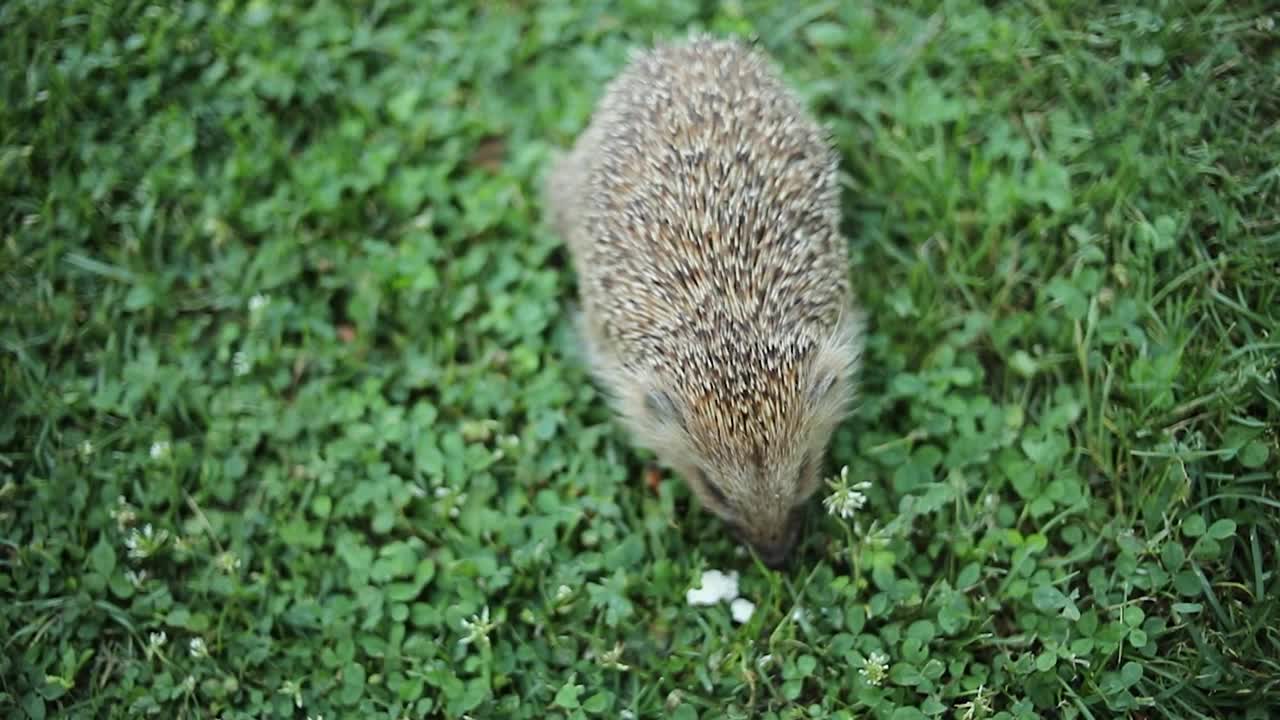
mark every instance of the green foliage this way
{"type": "Point", "coordinates": [293, 424]}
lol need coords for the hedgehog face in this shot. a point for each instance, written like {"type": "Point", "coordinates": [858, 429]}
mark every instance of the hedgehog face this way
{"type": "Point", "coordinates": [760, 491]}
{"type": "Point", "coordinates": [762, 502]}
{"type": "Point", "coordinates": [757, 482]}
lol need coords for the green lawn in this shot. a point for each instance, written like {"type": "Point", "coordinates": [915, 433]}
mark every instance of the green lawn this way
{"type": "Point", "coordinates": [292, 423]}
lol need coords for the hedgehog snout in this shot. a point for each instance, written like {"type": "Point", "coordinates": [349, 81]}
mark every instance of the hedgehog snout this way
{"type": "Point", "coordinates": [774, 545]}
{"type": "Point", "coordinates": [776, 557]}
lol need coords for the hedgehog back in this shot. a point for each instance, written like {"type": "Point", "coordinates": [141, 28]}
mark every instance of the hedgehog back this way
{"type": "Point", "coordinates": [711, 252]}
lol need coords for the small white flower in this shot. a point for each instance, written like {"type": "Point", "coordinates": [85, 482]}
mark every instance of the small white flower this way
{"type": "Point", "coordinates": [240, 363]}
{"type": "Point", "coordinates": [142, 545]}
{"type": "Point", "coordinates": [86, 449]}
{"type": "Point", "coordinates": [979, 706]}
{"type": "Point", "coordinates": [799, 614]}
{"type": "Point", "coordinates": [258, 303]}
{"type": "Point", "coordinates": [197, 648]}
{"type": "Point", "coordinates": [845, 499]}
{"type": "Point", "coordinates": [123, 514]}
{"type": "Point", "coordinates": [563, 593]}
{"type": "Point", "coordinates": [741, 609]}
{"type": "Point", "coordinates": [155, 641]}
{"type": "Point", "coordinates": [159, 449]}
{"type": "Point", "coordinates": [477, 628]}
{"type": "Point", "coordinates": [227, 562]}
{"type": "Point", "coordinates": [613, 658]}
{"type": "Point", "coordinates": [293, 689]}
{"type": "Point", "coordinates": [441, 491]}
{"type": "Point", "coordinates": [715, 586]}
{"type": "Point", "coordinates": [453, 512]}
{"type": "Point", "coordinates": [875, 668]}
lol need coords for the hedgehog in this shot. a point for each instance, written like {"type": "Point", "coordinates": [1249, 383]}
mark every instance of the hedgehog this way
{"type": "Point", "coordinates": [700, 210]}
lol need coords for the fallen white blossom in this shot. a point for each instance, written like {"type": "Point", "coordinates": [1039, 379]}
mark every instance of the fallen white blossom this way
{"type": "Point", "coordinates": [716, 586]}
{"type": "Point", "coordinates": [741, 609]}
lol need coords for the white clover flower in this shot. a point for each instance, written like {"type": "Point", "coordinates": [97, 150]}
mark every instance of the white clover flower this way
{"type": "Point", "coordinates": [876, 668]}
{"type": "Point", "coordinates": [258, 303]}
{"type": "Point", "coordinates": [142, 545]}
{"type": "Point", "coordinates": [293, 689]}
{"type": "Point", "coordinates": [159, 449]}
{"type": "Point", "coordinates": [715, 586]}
{"type": "Point", "coordinates": [845, 499]}
{"type": "Point", "coordinates": [477, 628]}
{"type": "Point", "coordinates": [155, 642]}
{"type": "Point", "coordinates": [240, 363]}
{"type": "Point", "coordinates": [613, 658]}
{"type": "Point", "coordinates": [197, 648]}
{"type": "Point", "coordinates": [123, 514]}
{"type": "Point", "coordinates": [227, 562]}
{"type": "Point", "coordinates": [741, 609]}
{"type": "Point", "coordinates": [979, 706]}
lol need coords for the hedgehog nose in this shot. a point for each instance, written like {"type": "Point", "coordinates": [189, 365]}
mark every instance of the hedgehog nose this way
{"type": "Point", "coordinates": [776, 553]}
{"type": "Point", "coordinates": [775, 557]}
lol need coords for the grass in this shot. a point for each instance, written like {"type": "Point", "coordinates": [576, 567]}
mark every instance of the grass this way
{"type": "Point", "coordinates": [292, 425]}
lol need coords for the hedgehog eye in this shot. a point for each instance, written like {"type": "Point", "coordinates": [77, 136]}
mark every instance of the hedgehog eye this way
{"type": "Point", "coordinates": [806, 465]}
{"type": "Point", "coordinates": [712, 489]}
{"type": "Point", "coordinates": [822, 386]}
{"type": "Point", "coordinates": [663, 407]}
{"type": "Point", "coordinates": [809, 479]}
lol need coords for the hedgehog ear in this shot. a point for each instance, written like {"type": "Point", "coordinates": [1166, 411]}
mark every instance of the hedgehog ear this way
{"type": "Point", "coordinates": [822, 385]}
{"type": "Point", "coordinates": [834, 364]}
{"type": "Point", "coordinates": [663, 408]}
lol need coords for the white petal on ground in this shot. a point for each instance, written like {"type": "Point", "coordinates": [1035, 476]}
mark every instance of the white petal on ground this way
{"type": "Point", "coordinates": [741, 609]}
{"type": "Point", "coordinates": [716, 586]}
